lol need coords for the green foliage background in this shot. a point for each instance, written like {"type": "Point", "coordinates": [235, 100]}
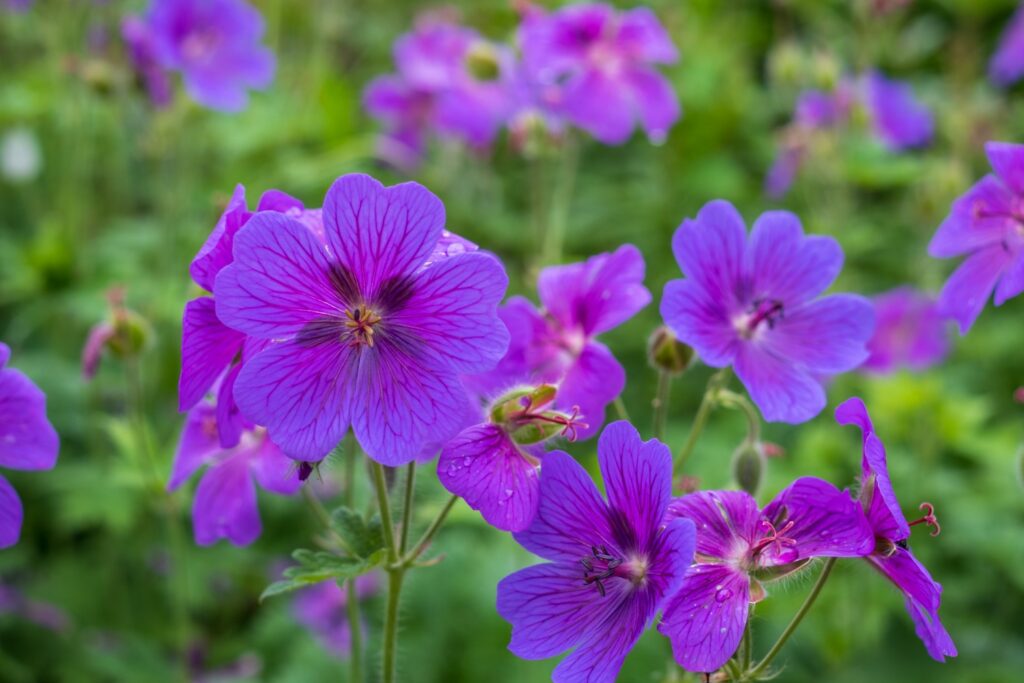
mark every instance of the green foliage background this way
{"type": "Point", "coordinates": [127, 194]}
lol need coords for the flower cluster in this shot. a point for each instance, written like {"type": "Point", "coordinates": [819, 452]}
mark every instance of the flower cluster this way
{"type": "Point", "coordinates": [585, 65]}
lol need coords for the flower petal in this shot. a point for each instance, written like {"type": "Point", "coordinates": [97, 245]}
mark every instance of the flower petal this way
{"type": "Point", "coordinates": [785, 265]}
{"type": "Point", "coordinates": [273, 470]}
{"type": "Point", "coordinates": [216, 251]}
{"type": "Point", "coordinates": [207, 347]}
{"type": "Point", "coordinates": [230, 421]}
{"type": "Point", "coordinates": [27, 439]}
{"type": "Point", "coordinates": [1012, 282]}
{"type": "Point", "coordinates": [591, 383]}
{"type": "Point", "coordinates": [11, 514]}
{"type": "Point", "coordinates": [225, 505]}
{"type": "Point", "coordinates": [280, 279]}
{"type": "Point", "coordinates": [700, 320]}
{"type": "Point", "coordinates": [981, 217]}
{"type": "Point", "coordinates": [600, 653]}
{"type": "Point", "coordinates": [638, 481]}
{"type": "Point", "coordinates": [655, 102]}
{"type": "Point", "coordinates": [721, 518]}
{"type": "Point", "coordinates": [485, 468]}
{"type": "Point", "coordinates": [198, 444]}
{"type": "Point", "coordinates": [828, 335]}
{"type": "Point", "coordinates": [706, 618]}
{"type": "Point", "coordinates": [969, 287]}
{"type": "Point", "coordinates": [1007, 161]}
{"type": "Point", "coordinates": [710, 250]}
{"type": "Point", "coordinates": [782, 391]}
{"type": "Point", "coordinates": [599, 104]}
{"type": "Point", "coordinates": [900, 121]}
{"type": "Point", "coordinates": [380, 233]}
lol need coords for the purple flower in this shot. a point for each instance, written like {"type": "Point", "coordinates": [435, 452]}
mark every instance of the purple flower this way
{"type": "Point", "coordinates": [739, 546]}
{"type": "Point", "coordinates": [138, 38]}
{"type": "Point", "coordinates": [900, 122]}
{"type": "Point", "coordinates": [27, 440]}
{"type": "Point", "coordinates": [371, 326]}
{"type": "Point", "coordinates": [784, 169]}
{"type": "Point", "coordinates": [322, 609]}
{"type": "Point", "coordinates": [558, 345]}
{"type": "Point", "coordinates": [754, 304]}
{"type": "Point", "coordinates": [600, 63]}
{"type": "Point", "coordinates": [215, 44]}
{"type": "Point", "coordinates": [225, 502]}
{"type": "Point", "coordinates": [1007, 64]}
{"type": "Point", "coordinates": [818, 109]}
{"type": "Point", "coordinates": [909, 331]}
{"type": "Point", "coordinates": [987, 225]}
{"type": "Point", "coordinates": [611, 564]}
{"type": "Point", "coordinates": [891, 555]}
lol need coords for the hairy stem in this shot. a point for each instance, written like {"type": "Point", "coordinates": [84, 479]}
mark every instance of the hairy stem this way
{"type": "Point", "coordinates": [429, 534]}
{"type": "Point", "coordinates": [395, 575]}
{"type": "Point", "coordinates": [551, 250]}
{"type": "Point", "coordinates": [355, 662]}
{"type": "Point", "coordinates": [661, 404]}
{"type": "Point", "coordinates": [410, 482]}
{"type": "Point", "coordinates": [707, 404]}
{"type": "Point", "coordinates": [620, 408]}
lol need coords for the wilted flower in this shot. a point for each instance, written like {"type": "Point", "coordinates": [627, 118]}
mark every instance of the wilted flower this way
{"type": "Point", "coordinates": [754, 304]}
{"type": "Point", "coordinates": [370, 327]}
{"type": "Point", "coordinates": [611, 564]}
{"type": "Point", "coordinates": [321, 608]}
{"type": "Point", "coordinates": [891, 555]}
{"type": "Point", "coordinates": [985, 225]}
{"type": "Point", "coordinates": [909, 331]}
{"type": "Point", "coordinates": [27, 440]}
{"type": "Point", "coordinates": [225, 503]}
{"type": "Point", "coordinates": [740, 546]}
{"type": "Point", "coordinates": [1007, 64]}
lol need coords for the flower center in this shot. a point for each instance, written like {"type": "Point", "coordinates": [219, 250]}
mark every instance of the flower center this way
{"type": "Point", "coordinates": [766, 311]}
{"type": "Point", "coordinates": [199, 44]}
{"type": "Point", "coordinates": [601, 565]}
{"type": "Point", "coordinates": [359, 324]}
{"type": "Point", "coordinates": [775, 537]}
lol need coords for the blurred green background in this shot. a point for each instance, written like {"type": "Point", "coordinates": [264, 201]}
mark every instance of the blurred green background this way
{"type": "Point", "coordinates": [125, 194]}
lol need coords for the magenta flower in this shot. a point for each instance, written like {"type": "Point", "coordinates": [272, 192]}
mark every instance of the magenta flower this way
{"type": "Point", "coordinates": [225, 503]}
{"type": "Point", "coordinates": [27, 441]}
{"type": "Point", "coordinates": [739, 547]}
{"type": "Point", "coordinates": [611, 564]}
{"type": "Point", "coordinates": [754, 304]}
{"type": "Point", "coordinates": [1007, 64]}
{"type": "Point", "coordinates": [215, 44]}
{"type": "Point", "coordinates": [909, 331]}
{"type": "Point", "coordinates": [371, 327]}
{"type": "Point", "coordinates": [600, 62]}
{"type": "Point", "coordinates": [321, 608]}
{"type": "Point", "coordinates": [558, 345]}
{"type": "Point", "coordinates": [891, 555]}
{"type": "Point", "coordinates": [987, 225]}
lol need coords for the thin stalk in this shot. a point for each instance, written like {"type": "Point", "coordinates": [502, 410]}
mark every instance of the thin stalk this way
{"type": "Point", "coordinates": [794, 622]}
{"type": "Point", "coordinates": [355, 662]}
{"type": "Point", "coordinates": [731, 399]}
{"type": "Point", "coordinates": [385, 512]}
{"type": "Point", "coordinates": [707, 404]}
{"type": "Point", "coordinates": [551, 251]}
{"type": "Point", "coordinates": [661, 404]}
{"type": "Point", "coordinates": [350, 472]}
{"type": "Point", "coordinates": [429, 534]}
{"type": "Point", "coordinates": [620, 408]}
{"type": "Point", "coordinates": [410, 482]}
{"type": "Point", "coordinates": [748, 638]}
{"type": "Point", "coordinates": [396, 573]}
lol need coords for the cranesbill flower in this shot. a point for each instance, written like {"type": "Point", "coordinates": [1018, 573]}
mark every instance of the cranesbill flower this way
{"type": "Point", "coordinates": [215, 44]}
{"type": "Point", "coordinates": [891, 554]}
{"type": "Point", "coordinates": [1007, 64]}
{"type": "Point", "coordinates": [909, 331]}
{"type": "Point", "coordinates": [987, 225]}
{"type": "Point", "coordinates": [372, 328]}
{"type": "Point", "coordinates": [739, 547]}
{"type": "Point", "coordinates": [27, 440]}
{"type": "Point", "coordinates": [611, 564]}
{"type": "Point", "coordinates": [754, 304]}
{"type": "Point", "coordinates": [601, 63]}
{"type": "Point", "coordinates": [558, 345]}
{"type": "Point", "coordinates": [321, 608]}
{"type": "Point", "coordinates": [225, 502]}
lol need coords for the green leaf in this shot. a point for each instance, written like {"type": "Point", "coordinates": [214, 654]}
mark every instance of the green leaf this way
{"type": "Point", "coordinates": [363, 538]}
{"type": "Point", "coordinates": [317, 566]}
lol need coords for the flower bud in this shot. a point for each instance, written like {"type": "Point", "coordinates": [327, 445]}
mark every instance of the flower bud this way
{"type": "Point", "coordinates": [786, 63]}
{"type": "Point", "coordinates": [131, 333]}
{"type": "Point", "coordinates": [667, 353]}
{"type": "Point", "coordinates": [748, 465]}
{"type": "Point", "coordinates": [536, 431]}
{"type": "Point", "coordinates": [482, 62]}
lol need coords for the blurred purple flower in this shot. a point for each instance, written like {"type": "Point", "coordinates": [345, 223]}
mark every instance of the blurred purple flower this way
{"type": "Point", "coordinates": [18, 5]}
{"type": "Point", "coordinates": [909, 331]}
{"type": "Point", "coordinates": [215, 44]}
{"type": "Point", "coordinates": [44, 614]}
{"type": "Point", "coordinates": [818, 109]}
{"type": "Point", "coordinates": [1007, 64]}
{"type": "Point", "coordinates": [754, 304]}
{"type": "Point", "coordinates": [139, 41]}
{"type": "Point", "coordinates": [783, 171]}
{"type": "Point", "coordinates": [891, 555]}
{"type": "Point", "coordinates": [738, 546]}
{"type": "Point", "coordinates": [225, 502]}
{"type": "Point", "coordinates": [899, 120]}
{"type": "Point", "coordinates": [559, 344]}
{"type": "Point", "coordinates": [369, 330]}
{"type": "Point", "coordinates": [99, 335]}
{"type": "Point", "coordinates": [322, 609]}
{"type": "Point", "coordinates": [594, 65]}
{"type": "Point", "coordinates": [987, 225]}
{"type": "Point", "coordinates": [611, 564]}
{"type": "Point", "coordinates": [27, 440]}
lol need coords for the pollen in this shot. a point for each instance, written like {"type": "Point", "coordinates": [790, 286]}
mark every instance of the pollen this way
{"type": "Point", "coordinates": [360, 323]}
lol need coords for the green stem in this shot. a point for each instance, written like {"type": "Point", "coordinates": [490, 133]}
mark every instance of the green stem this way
{"type": "Point", "coordinates": [707, 404]}
{"type": "Point", "coordinates": [385, 512]}
{"type": "Point", "coordinates": [395, 575]}
{"type": "Point", "coordinates": [748, 638]}
{"type": "Point", "coordinates": [620, 408]}
{"type": "Point", "coordinates": [551, 251]}
{"type": "Point", "coordinates": [350, 471]}
{"type": "Point", "coordinates": [410, 481]}
{"type": "Point", "coordinates": [661, 404]}
{"type": "Point", "coordinates": [429, 534]}
{"type": "Point", "coordinates": [731, 399]}
{"type": "Point", "coordinates": [794, 622]}
{"type": "Point", "coordinates": [355, 662]}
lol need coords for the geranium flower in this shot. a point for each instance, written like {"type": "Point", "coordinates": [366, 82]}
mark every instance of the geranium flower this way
{"type": "Point", "coordinates": [225, 502]}
{"type": "Point", "coordinates": [909, 331]}
{"type": "Point", "coordinates": [370, 327]}
{"type": "Point", "coordinates": [27, 440]}
{"type": "Point", "coordinates": [891, 554]}
{"type": "Point", "coordinates": [611, 564]}
{"type": "Point", "coordinates": [987, 225]}
{"type": "Point", "coordinates": [740, 546]}
{"type": "Point", "coordinates": [754, 304]}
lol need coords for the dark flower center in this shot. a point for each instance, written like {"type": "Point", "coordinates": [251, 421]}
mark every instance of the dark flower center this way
{"type": "Point", "coordinates": [359, 325]}
{"type": "Point", "coordinates": [776, 537]}
{"type": "Point", "coordinates": [602, 565]}
{"type": "Point", "coordinates": [766, 311]}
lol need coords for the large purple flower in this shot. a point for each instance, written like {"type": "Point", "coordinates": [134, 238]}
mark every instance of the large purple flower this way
{"type": "Point", "coordinates": [601, 63]}
{"type": "Point", "coordinates": [739, 546]}
{"type": "Point", "coordinates": [611, 564]}
{"type": "Point", "coordinates": [558, 345]}
{"type": "Point", "coordinates": [27, 440]}
{"type": "Point", "coordinates": [225, 502]}
{"type": "Point", "coordinates": [909, 331]}
{"type": "Point", "coordinates": [891, 555]}
{"type": "Point", "coordinates": [1007, 64]}
{"type": "Point", "coordinates": [215, 44]}
{"type": "Point", "coordinates": [371, 326]}
{"type": "Point", "coordinates": [322, 609]}
{"type": "Point", "coordinates": [754, 304]}
{"type": "Point", "coordinates": [987, 225]}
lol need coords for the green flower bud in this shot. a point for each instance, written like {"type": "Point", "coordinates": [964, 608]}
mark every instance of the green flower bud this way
{"type": "Point", "coordinates": [667, 353]}
{"type": "Point", "coordinates": [482, 62]}
{"type": "Point", "coordinates": [748, 465]}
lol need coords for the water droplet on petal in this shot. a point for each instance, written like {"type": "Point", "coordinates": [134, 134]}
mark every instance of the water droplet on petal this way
{"type": "Point", "coordinates": [508, 493]}
{"type": "Point", "coordinates": [468, 461]}
{"type": "Point", "coordinates": [722, 595]}
{"type": "Point", "coordinates": [722, 630]}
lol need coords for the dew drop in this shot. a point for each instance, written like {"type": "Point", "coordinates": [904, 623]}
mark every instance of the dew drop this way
{"type": "Point", "coordinates": [468, 461]}
{"type": "Point", "coordinates": [722, 630]}
{"type": "Point", "coordinates": [722, 594]}
{"type": "Point", "coordinates": [508, 493]}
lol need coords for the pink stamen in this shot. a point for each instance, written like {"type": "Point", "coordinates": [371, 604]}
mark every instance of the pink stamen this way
{"type": "Point", "coordinates": [774, 537]}
{"type": "Point", "coordinates": [929, 519]}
